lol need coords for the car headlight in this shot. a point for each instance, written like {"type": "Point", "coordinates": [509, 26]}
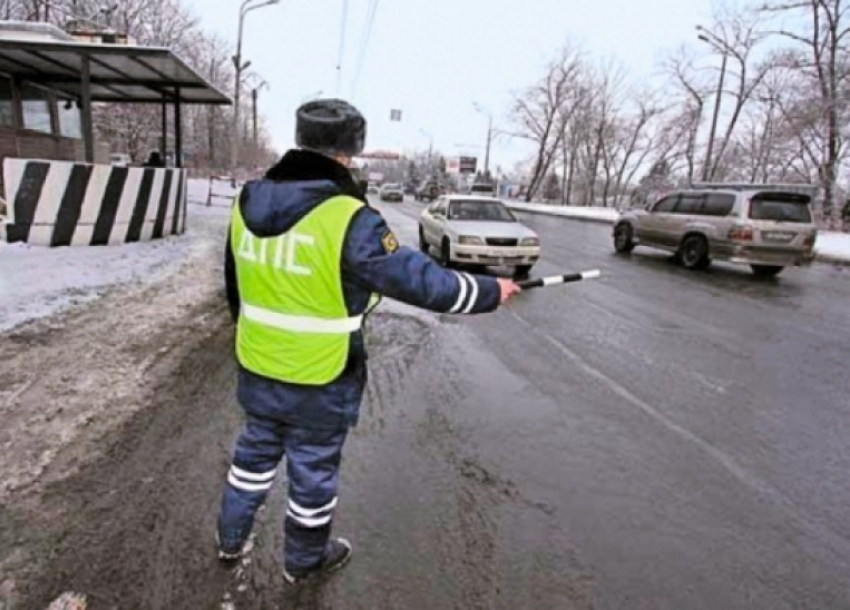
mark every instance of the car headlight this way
{"type": "Point", "coordinates": [466, 240]}
{"type": "Point", "coordinates": [530, 241]}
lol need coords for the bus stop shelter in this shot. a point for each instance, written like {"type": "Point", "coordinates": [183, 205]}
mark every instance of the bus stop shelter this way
{"type": "Point", "coordinates": [90, 73]}
{"type": "Point", "coordinates": [60, 189]}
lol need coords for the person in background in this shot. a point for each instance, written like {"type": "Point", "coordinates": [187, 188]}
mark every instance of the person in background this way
{"type": "Point", "coordinates": [154, 160]}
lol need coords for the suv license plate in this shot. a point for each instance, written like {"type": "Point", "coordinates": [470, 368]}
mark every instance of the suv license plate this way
{"type": "Point", "coordinates": [779, 236]}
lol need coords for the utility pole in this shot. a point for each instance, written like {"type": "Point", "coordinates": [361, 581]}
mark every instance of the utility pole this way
{"type": "Point", "coordinates": [489, 140]}
{"type": "Point", "coordinates": [489, 114]}
{"type": "Point", "coordinates": [430, 148]}
{"type": "Point", "coordinates": [255, 92]}
{"type": "Point", "coordinates": [254, 113]}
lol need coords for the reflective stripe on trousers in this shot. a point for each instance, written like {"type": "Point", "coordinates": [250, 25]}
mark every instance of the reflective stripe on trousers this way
{"type": "Point", "coordinates": [312, 467]}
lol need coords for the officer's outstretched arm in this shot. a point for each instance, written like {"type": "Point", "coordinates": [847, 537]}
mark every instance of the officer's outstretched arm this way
{"type": "Point", "coordinates": [373, 259]}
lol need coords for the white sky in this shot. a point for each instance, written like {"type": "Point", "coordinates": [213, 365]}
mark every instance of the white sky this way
{"type": "Point", "coordinates": [433, 59]}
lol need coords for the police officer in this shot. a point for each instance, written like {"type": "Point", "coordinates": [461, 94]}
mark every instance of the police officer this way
{"type": "Point", "coordinates": [306, 260]}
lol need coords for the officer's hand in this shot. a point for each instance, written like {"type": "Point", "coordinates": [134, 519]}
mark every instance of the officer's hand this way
{"type": "Point", "coordinates": [508, 288]}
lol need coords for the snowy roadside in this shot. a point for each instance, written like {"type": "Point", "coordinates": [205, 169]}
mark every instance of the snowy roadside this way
{"type": "Point", "coordinates": [594, 214]}
{"type": "Point", "coordinates": [36, 282]}
{"type": "Point", "coordinates": [831, 247]}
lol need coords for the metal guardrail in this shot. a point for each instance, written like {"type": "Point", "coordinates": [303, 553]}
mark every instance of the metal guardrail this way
{"type": "Point", "coordinates": [234, 184]}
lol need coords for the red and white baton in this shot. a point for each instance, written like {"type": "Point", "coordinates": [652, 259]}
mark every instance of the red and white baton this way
{"type": "Point", "coordinates": [559, 279]}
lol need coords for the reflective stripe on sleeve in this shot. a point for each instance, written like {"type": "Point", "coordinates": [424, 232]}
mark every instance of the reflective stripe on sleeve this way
{"type": "Point", "coordinates": [474, 297]}
{"type": "Point", "coordinates": [464, 290]}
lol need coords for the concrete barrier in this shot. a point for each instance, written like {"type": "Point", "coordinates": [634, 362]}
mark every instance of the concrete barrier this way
{"type": "Point", "coordinates": [57, 203]}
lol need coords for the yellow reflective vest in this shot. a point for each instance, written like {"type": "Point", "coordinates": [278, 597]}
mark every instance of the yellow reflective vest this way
{"type": "Point", "coordinates": [293, 322]}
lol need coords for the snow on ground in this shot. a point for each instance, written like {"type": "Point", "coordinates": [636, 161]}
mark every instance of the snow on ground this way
{"type": "Point", "coordinates": [830, 246]}
{"type": "Point", "coordinates": [608, 215]}
{"type": "Point", "coordinates": [37, 281]}
{"type": "Point", "coordinates": [833, 246]}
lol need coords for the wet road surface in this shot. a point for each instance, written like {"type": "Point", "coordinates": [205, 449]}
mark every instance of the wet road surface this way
{"type": "Point", "coordinates": [689, 428]}
{"type": "Point", "coordinates": [655, 439]}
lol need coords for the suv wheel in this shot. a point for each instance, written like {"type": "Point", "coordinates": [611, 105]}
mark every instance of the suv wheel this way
{"type": "Point", "coordinates": [766, 270]}
{"type": "Point", "coordinates": [522, 271]}
{"type": "Point", "coordinates": [445, 253]}
{"type": "Point", "coordinates": [423, 244]}
{"type": "Point", "coordinates": [694, 252]}
{"type": "Point", "coordinates": [624, 238]}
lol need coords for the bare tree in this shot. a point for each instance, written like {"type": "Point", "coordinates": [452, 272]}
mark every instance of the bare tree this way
{"type": "Point", "coordinates": [691, 94]}
{"type": "Point", "coordinates": [736, 36]}
{"type": "Point", "coordinates": [539, 114]}
{"type": "Point", "coordinates": [820, 55]}
{"type": "Point", "coordinates": [640, 137]}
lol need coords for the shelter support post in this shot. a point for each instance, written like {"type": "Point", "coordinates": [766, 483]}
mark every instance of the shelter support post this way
{"type": "Point", "coordinates": [86, 110]}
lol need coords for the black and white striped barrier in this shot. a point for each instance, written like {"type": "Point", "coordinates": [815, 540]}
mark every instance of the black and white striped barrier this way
{"type": "Point", "coordinates": [559, 279]}
{"type": "Point", "coordinates": [58, 203]}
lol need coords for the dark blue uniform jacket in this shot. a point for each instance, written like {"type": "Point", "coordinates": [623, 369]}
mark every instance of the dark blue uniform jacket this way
{"type": "Point", "coordinates": [370, 264]}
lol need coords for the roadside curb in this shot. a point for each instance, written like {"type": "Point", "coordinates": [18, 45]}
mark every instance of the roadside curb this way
{"type": "Point", "coordinates": [820, 258]}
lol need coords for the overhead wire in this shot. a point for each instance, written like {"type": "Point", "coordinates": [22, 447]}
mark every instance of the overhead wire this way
{"type": "Point", "coordinates": [364, 44]}
{"type": "Point", "coordinates": [341, 46]}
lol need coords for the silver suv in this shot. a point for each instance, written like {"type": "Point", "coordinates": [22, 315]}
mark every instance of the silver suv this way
{"type": "Point", "coordinates": [768, 228]}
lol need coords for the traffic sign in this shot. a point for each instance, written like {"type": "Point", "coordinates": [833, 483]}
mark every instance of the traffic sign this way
{"type": "Point", "coordinates": [468, 165]}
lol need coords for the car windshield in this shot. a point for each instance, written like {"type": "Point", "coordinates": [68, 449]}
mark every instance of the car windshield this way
{"type": "Point", "coordinates": [494, 211]}
{"type": "Point", "coordinates": [781, 209]}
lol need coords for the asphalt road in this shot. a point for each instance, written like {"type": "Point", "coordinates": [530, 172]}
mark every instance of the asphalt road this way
{"type": "Point", "coordinates": [689, 430]}
{"type": "Point", "coordinates": [654, 439]}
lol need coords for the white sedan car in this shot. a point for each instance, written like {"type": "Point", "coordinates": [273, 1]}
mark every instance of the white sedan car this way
{"type": "Point", "coordinates": [481, 231]}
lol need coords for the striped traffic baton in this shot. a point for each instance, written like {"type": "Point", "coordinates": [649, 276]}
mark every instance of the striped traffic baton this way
{"type": "Point", "coordinates": [559, 279]}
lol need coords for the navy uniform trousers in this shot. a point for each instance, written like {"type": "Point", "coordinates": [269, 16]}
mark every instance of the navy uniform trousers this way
{"type": "Point", "coordinates": [312, 469]}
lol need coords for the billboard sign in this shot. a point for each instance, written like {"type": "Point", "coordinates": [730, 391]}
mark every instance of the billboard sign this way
{"type": "Point", "coordinates": [468, 165]}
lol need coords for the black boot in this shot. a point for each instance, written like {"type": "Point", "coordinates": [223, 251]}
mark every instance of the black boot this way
{"type": "Point", "coordinates": [337, 556]}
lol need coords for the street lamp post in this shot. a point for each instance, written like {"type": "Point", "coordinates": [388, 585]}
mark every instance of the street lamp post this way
{"type": "Point", "coordinates": [247, 7]}
{"type": "Point", "coordinates": [707, 172]}
{"type": "Point", "coordinates": [489, 114]}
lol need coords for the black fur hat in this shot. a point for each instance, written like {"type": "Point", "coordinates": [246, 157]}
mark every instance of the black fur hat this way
{"type": "Point", "coordinates": [330, 126]}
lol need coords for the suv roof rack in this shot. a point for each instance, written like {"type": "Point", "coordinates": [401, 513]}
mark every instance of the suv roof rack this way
{"type": "Point", "coordinates": [803, 189]}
